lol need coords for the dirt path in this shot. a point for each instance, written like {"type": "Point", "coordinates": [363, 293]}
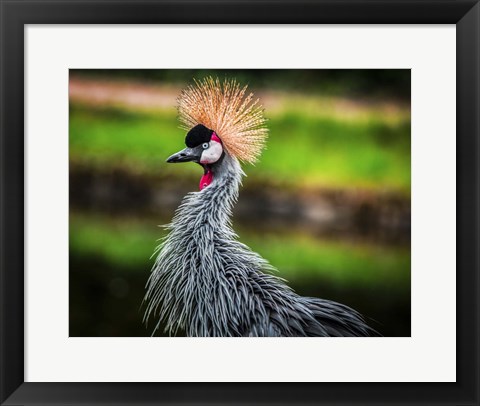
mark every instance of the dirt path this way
{"type": "Point", "coordinates": [151, 97]}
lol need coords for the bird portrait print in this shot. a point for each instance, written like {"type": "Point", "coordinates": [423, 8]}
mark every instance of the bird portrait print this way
{"type": "Point", "coordinates": [205, 282]}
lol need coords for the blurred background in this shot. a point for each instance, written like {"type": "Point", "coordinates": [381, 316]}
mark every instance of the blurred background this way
{"type": "Point", "coordinates": [328, 203]}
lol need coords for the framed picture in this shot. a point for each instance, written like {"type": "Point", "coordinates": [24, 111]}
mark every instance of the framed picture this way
{"type": "Point", "coordinates": [366, 195]}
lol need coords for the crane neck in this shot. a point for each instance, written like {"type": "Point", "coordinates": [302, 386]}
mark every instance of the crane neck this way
{"type": "Point", "coordinates": [210, 208]}
{"type": "Point", "coordinates": [222, 192]}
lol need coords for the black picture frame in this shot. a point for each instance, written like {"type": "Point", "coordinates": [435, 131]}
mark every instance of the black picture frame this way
{"type": "Point", "coordinates": [16, 14]}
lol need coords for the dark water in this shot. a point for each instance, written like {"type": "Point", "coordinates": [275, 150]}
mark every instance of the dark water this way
{"type": "Point", "coordinates": [375, 217]}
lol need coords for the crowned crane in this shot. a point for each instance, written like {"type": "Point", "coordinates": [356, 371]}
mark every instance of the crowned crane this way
{"type": "Point", "coordinates": [204, 281]}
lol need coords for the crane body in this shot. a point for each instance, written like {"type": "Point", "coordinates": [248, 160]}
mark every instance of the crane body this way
{"type": "Point", "coordinates": [206, 283]}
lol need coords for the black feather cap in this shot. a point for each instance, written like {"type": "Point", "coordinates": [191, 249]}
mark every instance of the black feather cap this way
{"type": "Point", "coordinates": [198, 135]}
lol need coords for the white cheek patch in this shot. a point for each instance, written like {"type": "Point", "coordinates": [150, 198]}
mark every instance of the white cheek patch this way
{"type": "Point", "coordinates": [212, 154]}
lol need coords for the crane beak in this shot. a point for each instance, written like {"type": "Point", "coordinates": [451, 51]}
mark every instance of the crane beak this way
{"type": "Point", "coordinates": [186, 155]}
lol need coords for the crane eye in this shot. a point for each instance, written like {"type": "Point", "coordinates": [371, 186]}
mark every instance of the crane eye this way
{"type": "Point", "coordinates": [205, 145]}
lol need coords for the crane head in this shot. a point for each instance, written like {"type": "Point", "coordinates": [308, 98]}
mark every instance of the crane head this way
{"type": "Point", "coordinates": [203, 147]}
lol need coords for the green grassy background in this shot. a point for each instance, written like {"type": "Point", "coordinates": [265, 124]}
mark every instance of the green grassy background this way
{"type": "Point", "coordinates": [302, 151]}
{"type": "Point", "coordinates": [130, 242]}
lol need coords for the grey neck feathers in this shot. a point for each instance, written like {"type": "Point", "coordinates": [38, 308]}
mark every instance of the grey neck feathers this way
{"type": "Point", "coordinates": [190, 264]}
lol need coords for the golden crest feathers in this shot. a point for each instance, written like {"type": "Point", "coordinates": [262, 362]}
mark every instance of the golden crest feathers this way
{"type": "Point", "coordinates": [225, 108]}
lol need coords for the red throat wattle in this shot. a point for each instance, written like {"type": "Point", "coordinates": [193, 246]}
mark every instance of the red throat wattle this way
{"type": "Point", "coordinates": [206, 179]}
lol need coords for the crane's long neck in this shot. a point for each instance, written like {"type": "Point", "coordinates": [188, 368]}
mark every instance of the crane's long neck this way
{"type": "Point", "coordinates": [212, 205]}
{"type": "Point", "coordinates": [189, 260]}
